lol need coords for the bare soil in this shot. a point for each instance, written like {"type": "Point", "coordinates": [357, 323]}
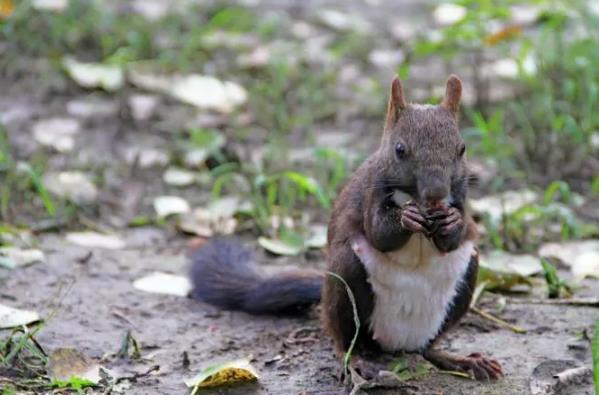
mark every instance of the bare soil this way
{"type": "Point", "coordinates": [89, 301]}
{"type": "Point", "coordinates": [92, 305]}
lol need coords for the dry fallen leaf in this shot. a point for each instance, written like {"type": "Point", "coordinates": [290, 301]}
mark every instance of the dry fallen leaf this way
{"type": "Point", "coordinates": [234, 372]}
{"type": "Point", "coordinates": [523, 264]}
{"type": "Point", "coordinates": [72, 185]}
{"type": "Point", "coordinates": [280, 247]}
{"type": "Point", "coordinates": [95, 75]}
{"type": "Point", "coordinates": [178, 177]}
{"type": "Point", "coordinates": [96, 240]}
{"type": "Point", "coordinates": [11, 317]}
{"type": "Point", "coordinates": [581, 256]}
{"type": "Point", "coordinates": [194, 89]}
{"type": "Point", "coordinates": [7, 7]}
{"type": "Point", "coordinates": [170, 205]}
{"type": "Point", "coordinates": [164, 283]}
{"type": "Point", "coordinates": [13, 257]}
{"type": "Point", "coordinates": [58, 133]}
{"type": "Point", "coordinates": [67, 363]}
{"type": "Point", "coordinates": [216, 218]}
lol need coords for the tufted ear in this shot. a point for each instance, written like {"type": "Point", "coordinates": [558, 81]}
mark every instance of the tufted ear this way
{"type": "Point", "coordinates": [453, 93]}
{"type": "Point", "coordinates": [397, 102]}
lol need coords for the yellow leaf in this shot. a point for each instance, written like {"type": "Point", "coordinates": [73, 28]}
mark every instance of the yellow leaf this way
{"type": "Point", "coordinates": [234, 372]}
{"type": "Point", "coordinates": [507, 33]}
{"type": "Point", "coordinates": [7, 7]}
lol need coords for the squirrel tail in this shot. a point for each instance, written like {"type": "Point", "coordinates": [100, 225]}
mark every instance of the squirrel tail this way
{"type": "Point", "coordinates": [224, 273]}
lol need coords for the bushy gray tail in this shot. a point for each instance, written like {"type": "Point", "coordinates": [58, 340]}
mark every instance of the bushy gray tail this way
{"type": "Point", "coordinates": [224, 273]}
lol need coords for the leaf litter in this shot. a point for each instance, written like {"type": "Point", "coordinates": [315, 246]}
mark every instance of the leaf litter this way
{"type": "Point", "coordinates": [164, 283]}
{"type": "Point", "coordinates": [11, 317]}
{"type": "Point", "coordinates": [223, 374]}
{"type": "Point", "coordinates": [13, 257]}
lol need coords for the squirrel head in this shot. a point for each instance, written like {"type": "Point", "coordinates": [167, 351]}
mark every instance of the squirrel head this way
{"type": "Point", "coordinates": [422, 151]}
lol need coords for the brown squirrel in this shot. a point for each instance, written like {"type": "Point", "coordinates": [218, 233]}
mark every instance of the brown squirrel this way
{"type": "Point", "coordinates": [398, 235]}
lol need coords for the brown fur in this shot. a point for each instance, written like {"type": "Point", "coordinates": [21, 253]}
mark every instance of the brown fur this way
{"type": "Point", "coordinates": [433, 142]}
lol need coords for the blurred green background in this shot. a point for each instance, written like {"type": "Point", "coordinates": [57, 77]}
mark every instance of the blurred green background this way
{"type": "Point", "coordinates": [271, 105]}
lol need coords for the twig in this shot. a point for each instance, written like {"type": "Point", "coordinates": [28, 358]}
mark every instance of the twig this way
{"type": "Point", "coordinates": [498, 321]}
{"type": "Point", "coordinates": [136, 376]}
{"type": "Point", "coordinates": [576, 302]}
{"type": "Point", "coordinates": [456, 373]}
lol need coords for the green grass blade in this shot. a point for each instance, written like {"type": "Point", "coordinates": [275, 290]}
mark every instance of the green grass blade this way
{"type": "Point", "coordinates": [352, 300]}
{"type": "Point", "coordinates": [41, 189]}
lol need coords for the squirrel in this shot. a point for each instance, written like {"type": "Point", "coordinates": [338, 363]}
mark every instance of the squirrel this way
{"type": "Point", "coordinates": [398, 235]}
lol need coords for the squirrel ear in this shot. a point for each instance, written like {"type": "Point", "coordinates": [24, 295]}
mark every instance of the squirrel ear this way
{"type": "Point", "coordinates": [397, 102]}
{"type": "Point", "coordinates": [453, 93]}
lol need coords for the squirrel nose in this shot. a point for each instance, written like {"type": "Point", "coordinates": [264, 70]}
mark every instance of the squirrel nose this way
{"type": "Point", "coordinates": [435, 192]}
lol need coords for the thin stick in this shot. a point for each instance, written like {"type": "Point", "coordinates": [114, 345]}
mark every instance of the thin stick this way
{"type": "Point", "coordinates": [580, 302]}
{"type": "Point", "coordinates": [456, 373]}
{"type": "Point", "coordinates": [498, 321]}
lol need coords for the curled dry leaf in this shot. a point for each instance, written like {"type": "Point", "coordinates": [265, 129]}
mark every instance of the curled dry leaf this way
{"type": "Point", "coordinates": [58, 133]}
{"type": "Point", "coordinates": [143, 107]}
{"type": "Point", "coordinates": [94, 75]}
{"type": "Point", "coordinates": [170, 205]}
{"type": "Point", "coordinates": [234, 372]}
{"type": "Point", "coordinates": [581, 256]}
{"type": "Point", "coordinates": [194, 89]}
{"type": "Point", "coordinates": [178, 177]}
{"type": "Point", "coordinates": [280, 247]}
{"type": "Point", "coordinates": [164, 283]}
{"type": "Point", "coordinates": [12, 257]}
{"type": "Point", "coordinates": [217, 218]}
{"type": "Point", "coordinates": [65, 364]}
{"type": "Point", "coordinates": [11, 317]}
{"type": "Point", "coordinates": [501, 281]}
{"type": "Point", "coordinates": [72, 185]}
{"type": "Point", "coordinates": [524, 264]}
{"type": "Point", "coordinates": [96, 240]}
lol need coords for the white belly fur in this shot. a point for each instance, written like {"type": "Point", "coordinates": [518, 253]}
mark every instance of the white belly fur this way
{"type": "Point", "coordinates": [413, 291]}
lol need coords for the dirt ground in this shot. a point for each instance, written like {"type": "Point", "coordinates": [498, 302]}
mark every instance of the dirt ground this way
{"type": "Point", "coordinates": [93, 304]}
{"type": "Point", "coordinates": [90, 303]}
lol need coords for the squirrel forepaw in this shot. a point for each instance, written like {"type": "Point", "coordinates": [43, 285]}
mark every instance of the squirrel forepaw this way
{"type": "Point", "coordinates": [412, 219]}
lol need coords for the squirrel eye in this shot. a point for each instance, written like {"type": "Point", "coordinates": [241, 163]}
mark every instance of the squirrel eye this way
{"type": "Point", "coordinates": [462, 149]}
{"type": "Point", "coordinates": [400, 150]}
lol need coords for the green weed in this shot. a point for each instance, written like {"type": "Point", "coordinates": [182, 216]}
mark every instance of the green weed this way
{"type": "Point", "coordinates": [21, 354]}
{"type": "Point", "coordinates": [15, 187]}
{"type": "Point", "coordinates": [277, 194]}
{"type": "Point", "coordinates": [556, 287]}
{"type": "Point", "coordinates": [546, 130]}
{"type": "Point", "coordinates": [549, 220]}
